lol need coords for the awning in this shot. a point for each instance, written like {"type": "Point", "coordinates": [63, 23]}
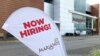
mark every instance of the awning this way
{"type": "Point", "coordinates": [83, 14]}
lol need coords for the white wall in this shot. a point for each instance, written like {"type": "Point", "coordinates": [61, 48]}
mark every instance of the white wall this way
{"type": "Point", "coordinates": [56, 10]}
{"type": "Point", "coordinates": [48, 9]}
{"type": "Point", "coordinates": [88, 8]}
{"type": "Point", "coordinates": [66, 25]}
{"type": "Point", "coordinates": [60, 10]}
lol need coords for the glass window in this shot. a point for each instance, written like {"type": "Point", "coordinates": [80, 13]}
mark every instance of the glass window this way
{"type": "Point", "coordinates": [88, 23]}
{"type": "Point", "coordinates": [79, 22]}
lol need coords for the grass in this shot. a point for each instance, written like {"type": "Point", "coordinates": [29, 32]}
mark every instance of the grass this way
{"type": "Point", "coordinates": [95, 52]}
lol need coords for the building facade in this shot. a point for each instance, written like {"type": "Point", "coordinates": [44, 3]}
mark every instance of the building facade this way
{"type": "Point", "coordinates": [70, 16]}
{"type": "Point", "coordinates": [95, 11]}
{"type": "Point", "coordinates": [80, 5]}
{"type": "Point", "coordinates": [62, 16]}
{"type": "Point", "coordinates": [79, 20]}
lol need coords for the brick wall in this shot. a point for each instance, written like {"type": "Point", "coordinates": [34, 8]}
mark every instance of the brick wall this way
{"type": "Point", "coordinates": [95, 12]}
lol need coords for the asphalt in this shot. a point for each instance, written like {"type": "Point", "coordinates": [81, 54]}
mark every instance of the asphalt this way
{"type": "Point", "coordinates": [74, 38]}
{"type": "Point", "coordinates": [65, 38]}
{"type": "Point", "coordinates": [75, 45]}
{"type": "Point", "coordinates": [81, 45]}
{"type": "Point", "coordinates": [82, 51]}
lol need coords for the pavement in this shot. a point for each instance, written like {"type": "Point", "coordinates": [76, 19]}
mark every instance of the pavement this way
{"type": "Point", "coordinates": [15, 49]}
{"type": "Point", "coordinates": [73, 38]}
{"type": "Point", "coordinates": [65, 38]}
{"type": "Point", "coordinates": [81, 45]}
{"type": "Point", "coordinates": [75, 46]}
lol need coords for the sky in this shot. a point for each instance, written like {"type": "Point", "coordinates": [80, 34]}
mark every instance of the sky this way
{"type": "Point", "coordinates": [91, 2]}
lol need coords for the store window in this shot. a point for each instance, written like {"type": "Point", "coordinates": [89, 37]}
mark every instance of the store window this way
{"type": "Point", "coordinates": [84, 24]}
{"type": "Point", "coordinates": [79, 22]}
{"type": "Point", "coordinates": [88, 23]}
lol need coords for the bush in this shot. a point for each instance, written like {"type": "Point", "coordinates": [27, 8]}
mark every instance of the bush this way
{"type": "Point", "coordinates": [95, 52]}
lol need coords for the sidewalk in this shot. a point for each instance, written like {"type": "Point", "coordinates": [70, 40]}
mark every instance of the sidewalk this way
{"type": "Point", "coordinates": [71, 38]}
{"type": "Point", "coordinates": [65, 38]}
